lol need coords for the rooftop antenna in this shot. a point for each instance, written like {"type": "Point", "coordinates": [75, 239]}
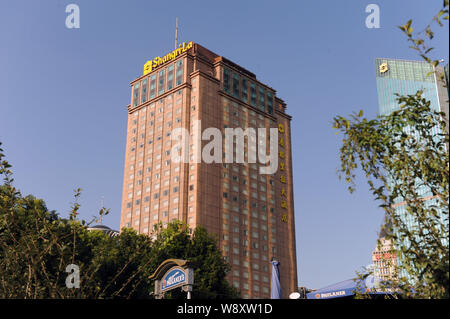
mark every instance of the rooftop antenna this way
{"type": "Point", "coordinates": [176, 33]}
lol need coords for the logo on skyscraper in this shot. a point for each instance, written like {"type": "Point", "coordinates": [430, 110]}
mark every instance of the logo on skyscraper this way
{"type": "Point", "coordinates": [151, 64]}
{"type": "Point", "coordinates": [383, 67]}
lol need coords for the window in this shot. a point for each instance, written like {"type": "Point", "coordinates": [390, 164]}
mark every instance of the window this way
{"type": "Point", "coordinates": [226, 80]}
{"type": "Point", "coordinates": [161, 80]}
{"type": "Point", "coordinates": [152, 86]}
{"type": "Point", "coordinates": [144, 91]}
{"type": "Point", "coordinates": [253, 94]}
{"type": "Point", "coordinates": [262, 104]}
{"type": "Point", "coordinates": [136, 94]}
{"type": "Point", "coordinates": [244, 89]}
{"type": "Point", "coordinates": [235, 85]}
{"type": "Point", "coordinates": [170, 77]}
{"type": "Point", "coordinates": [179, 72]}
{"type": "Point", "coordinates": [269, 102]}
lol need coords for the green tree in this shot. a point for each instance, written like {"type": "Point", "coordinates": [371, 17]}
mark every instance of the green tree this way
{"type": "Point", "coordinates": [36, 245]}
{"type": "Point", "coordinates": [399, 153]}
{"type": "Point", "coordinates": [210, 269]}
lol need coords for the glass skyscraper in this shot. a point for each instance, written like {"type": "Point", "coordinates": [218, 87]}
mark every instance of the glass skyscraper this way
{"type": "Point", "coordinates": [403, 77]}
{"type": "Point", "coordinates": [407, 77]}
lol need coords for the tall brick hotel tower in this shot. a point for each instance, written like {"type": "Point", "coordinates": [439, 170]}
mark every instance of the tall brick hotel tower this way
{"type": "Point", "coordinates": [251, 213]}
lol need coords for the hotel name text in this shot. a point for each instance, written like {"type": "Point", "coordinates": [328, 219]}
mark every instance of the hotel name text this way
{"type": "Point", "coordinates": [151, 64]}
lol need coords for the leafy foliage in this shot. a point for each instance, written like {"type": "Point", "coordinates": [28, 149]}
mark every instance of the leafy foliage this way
{"type": "Point", "coordinates": [201, 250]}
{"type": "Point", "coordinates": [36, 245]}
{"type": "Point", "coordinates": [402, 154]}
{"type": "Point", "coordinates": [419, 41]}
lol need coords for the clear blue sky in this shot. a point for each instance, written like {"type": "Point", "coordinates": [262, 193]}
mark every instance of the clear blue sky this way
{"type": "Point", "coordinates": [63, 97]}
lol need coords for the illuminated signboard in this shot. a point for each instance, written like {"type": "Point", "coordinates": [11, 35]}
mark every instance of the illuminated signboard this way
{"type": "Point", "coordinates": [173, 278]}
{"type": "Point", "coordinates": [151, 64]}
{"type": "Point", "coordinates": [172, 274]}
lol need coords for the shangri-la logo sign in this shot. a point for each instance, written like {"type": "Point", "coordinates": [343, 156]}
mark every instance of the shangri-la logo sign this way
{"type": "Point", "coordinates": [151, 64]}
{"type": "Point", "coordinates": [384, 68]}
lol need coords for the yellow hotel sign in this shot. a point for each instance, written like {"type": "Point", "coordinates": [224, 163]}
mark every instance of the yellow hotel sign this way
{"type": "Point", "coordinates": [283, 179]}
{"type": "Point", "coordinates": [148, 67]}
